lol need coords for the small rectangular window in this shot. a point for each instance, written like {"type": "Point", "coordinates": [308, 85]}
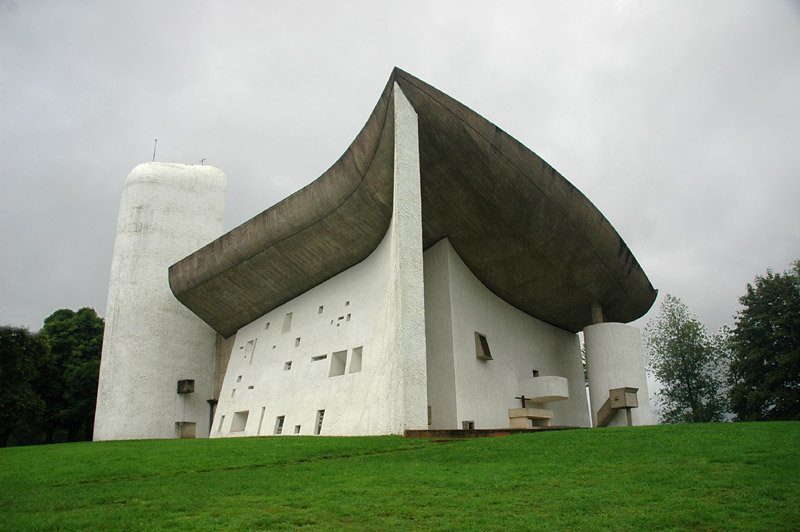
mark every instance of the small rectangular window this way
{"type": "Point", "coordinates": [338, 362]}
{"type": "Point", "coordinates": [266, 326]}
{"type": "Point", "coordinates": [287, 323]}
{"type": "Point", "coordinates": [261, 420]}
{"type": "Point", "coordinates": [536, 373]}
{"type": "Point", "coordinates": [468, 425]}
{"type": "Point", "coordinates": [239, 378]}
{"type": "Point", "coordinates": [297, 342]}
{"type": "Point", "coordinates": [482, 347]}
{"type": "Point", "coordinates": [355, 360]}
{"type": "Point", "coordinates": [186, 386]}
{"type": "Point", "coordinates": [318, 358]}
{"type": "Point", "coordinates": [233, 392]}
{"type": "Point", "coordinates": [279, 424]}
{"type": "Point", "coordinates": [239, 421]}
{"type": "Point", "coordinates": [319, 311]}
{"type": "Point", "coordinates": [348, 317]}
{"type": "Point", "coordinates": [346, 303]}
{"type": "Point", "coordinates": [221, 421]}
{"type": "Point", "coordinates": [430, 418]}
{"type": "Point", "coordinates": [318, 425]}
{"type": "Point", "coordinates": [287, 365]}
{"type": "Point", "coordinates": [297, 429]}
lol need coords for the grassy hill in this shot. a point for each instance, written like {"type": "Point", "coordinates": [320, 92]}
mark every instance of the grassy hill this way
{"type": "Point", "coordinates": [743, 476]}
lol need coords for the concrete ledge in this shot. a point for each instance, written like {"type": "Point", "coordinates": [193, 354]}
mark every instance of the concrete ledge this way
{"type": "Point", "coordinates": [478, 433]}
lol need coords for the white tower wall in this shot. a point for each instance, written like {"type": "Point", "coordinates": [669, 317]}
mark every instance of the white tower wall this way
{"type": "Point", "coordinates": [614, 360]}
{"type": "Point", "coordinates": [151, 341]}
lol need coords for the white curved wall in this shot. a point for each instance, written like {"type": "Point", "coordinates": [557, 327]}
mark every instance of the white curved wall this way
{"type": "Point", "coordinates": [462, 387]}
{"type": "Point", "coordinates": [151, 341]}
{"type": "Point", "coordinates": [372, 315]}
{"type": "Point", "coordinates": [614, 360]}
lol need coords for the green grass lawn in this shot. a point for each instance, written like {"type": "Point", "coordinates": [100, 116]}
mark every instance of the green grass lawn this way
{"type": "Point", "coordinates": [743, 476]}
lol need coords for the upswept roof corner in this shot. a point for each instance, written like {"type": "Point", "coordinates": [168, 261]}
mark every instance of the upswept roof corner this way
{"type": "Point", "coordinates": [527, 233]}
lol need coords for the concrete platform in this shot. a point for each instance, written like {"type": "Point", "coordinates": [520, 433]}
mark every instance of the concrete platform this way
{"type": "Point", "coordinates": [478, 433]}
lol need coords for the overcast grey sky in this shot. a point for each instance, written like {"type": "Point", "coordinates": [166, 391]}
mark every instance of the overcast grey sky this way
{"type": "Point", "coordinates": [680, 120]}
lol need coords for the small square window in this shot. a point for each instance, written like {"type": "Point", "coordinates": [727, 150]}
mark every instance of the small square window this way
{"type": "Point", "coordinates": [482, 347]}
{"type": "Point", "coordinates": [536, 373]}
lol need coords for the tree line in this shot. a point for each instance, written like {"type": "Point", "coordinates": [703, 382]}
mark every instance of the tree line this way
{"type": "Point", "coordinates": [48, 379]}
{"type": "Point", "coordinates": [750, 372]}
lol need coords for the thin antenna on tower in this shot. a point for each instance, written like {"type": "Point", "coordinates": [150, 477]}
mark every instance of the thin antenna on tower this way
{"type": "Point", "coordinates": [203, 161]}
{"type": "Point", "coordinates": [154, 149]}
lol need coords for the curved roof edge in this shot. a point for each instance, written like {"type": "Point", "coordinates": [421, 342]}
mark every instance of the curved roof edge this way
{"type": "Point", "coordinates": [524, 230]}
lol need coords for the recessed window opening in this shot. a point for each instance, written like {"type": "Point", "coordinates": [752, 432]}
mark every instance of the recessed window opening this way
{"type": "Point", "coordinates": [239, 378]}
{"type": "Point", "coordinates": [468, 425]}
{"type": "Point", "coordinates": [536, 373]}
{"type": "Point", "coordinates": [297, 342]}
{"type": "Point", "coordinates": [297, 429]}
{"type": "Point", "coordinates": [287, 365]}
{"type": "Point", "coordinates": [482, 347]}
{"type": "Point", "coordinates": [261, 420]}
{"type": "Point", "coordinates": [318, 358]}
{"type": "Point", "coordinates": [338, 362]}
{"type": "Point", "coordinates": [186, 386]}
{"type": "Point", "coordinates": [355, 360]}
{"type": "Point", "coordinates": [239, 421]}
{"type": "Point", "coordinates": [318, 424]}
{"type": "Point", "coordinates": [348, 318]}
{"type": "Point", "coordinates": [430, 417]}
{"type": "Point", "coordinates": [319, 310]}
{"type": "Point", "coordinates": [233, 392]}
{"type": "Point", "coordinates": [287, 323]}
{"type": "Point", "coordinates": [346, 303]}
{"type": "Point", "coordinates": [250, 387]}
{"type": "Point", "coordinates": [221, 421]}
{"type": "Point", "coordinates": [266, 326]}
{"type": "Point", "coordinates": [250, 350]}
{"type": "Point", "coordinates": [279, 424]}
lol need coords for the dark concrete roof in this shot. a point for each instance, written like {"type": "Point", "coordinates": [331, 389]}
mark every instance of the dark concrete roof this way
{"type": "Point", "coordinates": [524, 231]}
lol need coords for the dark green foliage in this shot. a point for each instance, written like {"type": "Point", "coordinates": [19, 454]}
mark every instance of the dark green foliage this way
{"type": "Point", "coordinates": [702, 477]}
{"type": "Point", "coordinates": [69, 382]}
{"type": "Point", "coordinates": [689, 364]}
{"type": "Point", "coordinates": [21, 355]}
{"type": "Point", "coordinates": [765, 345]}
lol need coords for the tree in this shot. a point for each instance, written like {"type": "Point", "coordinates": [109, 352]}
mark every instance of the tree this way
{"type": "Point", "coordinates": [765, 347]}
{"type": "Point", "coordinates": [688, 363]}
{"type": "Point", "coordinates": [21, 353]}
{"type": "Point", "coordinates": [69, 381]}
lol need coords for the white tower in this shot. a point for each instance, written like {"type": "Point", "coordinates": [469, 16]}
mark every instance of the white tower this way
{"type": "Point", "coordinates": [152, 342]}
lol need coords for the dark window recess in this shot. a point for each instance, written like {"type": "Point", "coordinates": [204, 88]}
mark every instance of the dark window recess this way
{"type": "Point", "coordinates": [279, 424]}
{"type": "Point", "coordinates": [536, 373]}
{"type": "Point", "coordinates": [318, 427]}
{"type": "Point", "coordinates": [482, 347]}
{"type": "Point", "coordinates": [186, 386]}
{"type": "Point", "coordinates": [468, 425]}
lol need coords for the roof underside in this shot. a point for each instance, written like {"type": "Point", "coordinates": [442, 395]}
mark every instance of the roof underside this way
{"type": "Point", "coordinates": [522, 229]}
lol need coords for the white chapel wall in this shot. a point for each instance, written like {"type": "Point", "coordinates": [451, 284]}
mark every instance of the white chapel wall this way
{"type": "Point", "coordinates": [519, 343]}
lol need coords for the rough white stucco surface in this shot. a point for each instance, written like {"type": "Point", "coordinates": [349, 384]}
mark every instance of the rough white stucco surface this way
{"type": "Point", "coordinates": [355, 346]}
{"type": "Point", "coordinates": [151, 341]}
{"type": "Point", "coordinates": [462, 387]}
{"type": "Point", "coordinates": [614, 360]}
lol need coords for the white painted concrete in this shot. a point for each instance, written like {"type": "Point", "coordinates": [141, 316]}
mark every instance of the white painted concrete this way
{"type": "Point", "coordinates": [614, 359]}
{"type": "Point", "coordinates": [463, 388]}
{"type": "Point", "coordinates": [151, 341]}
{"type": "Point", "coordinates": [372, 314]}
